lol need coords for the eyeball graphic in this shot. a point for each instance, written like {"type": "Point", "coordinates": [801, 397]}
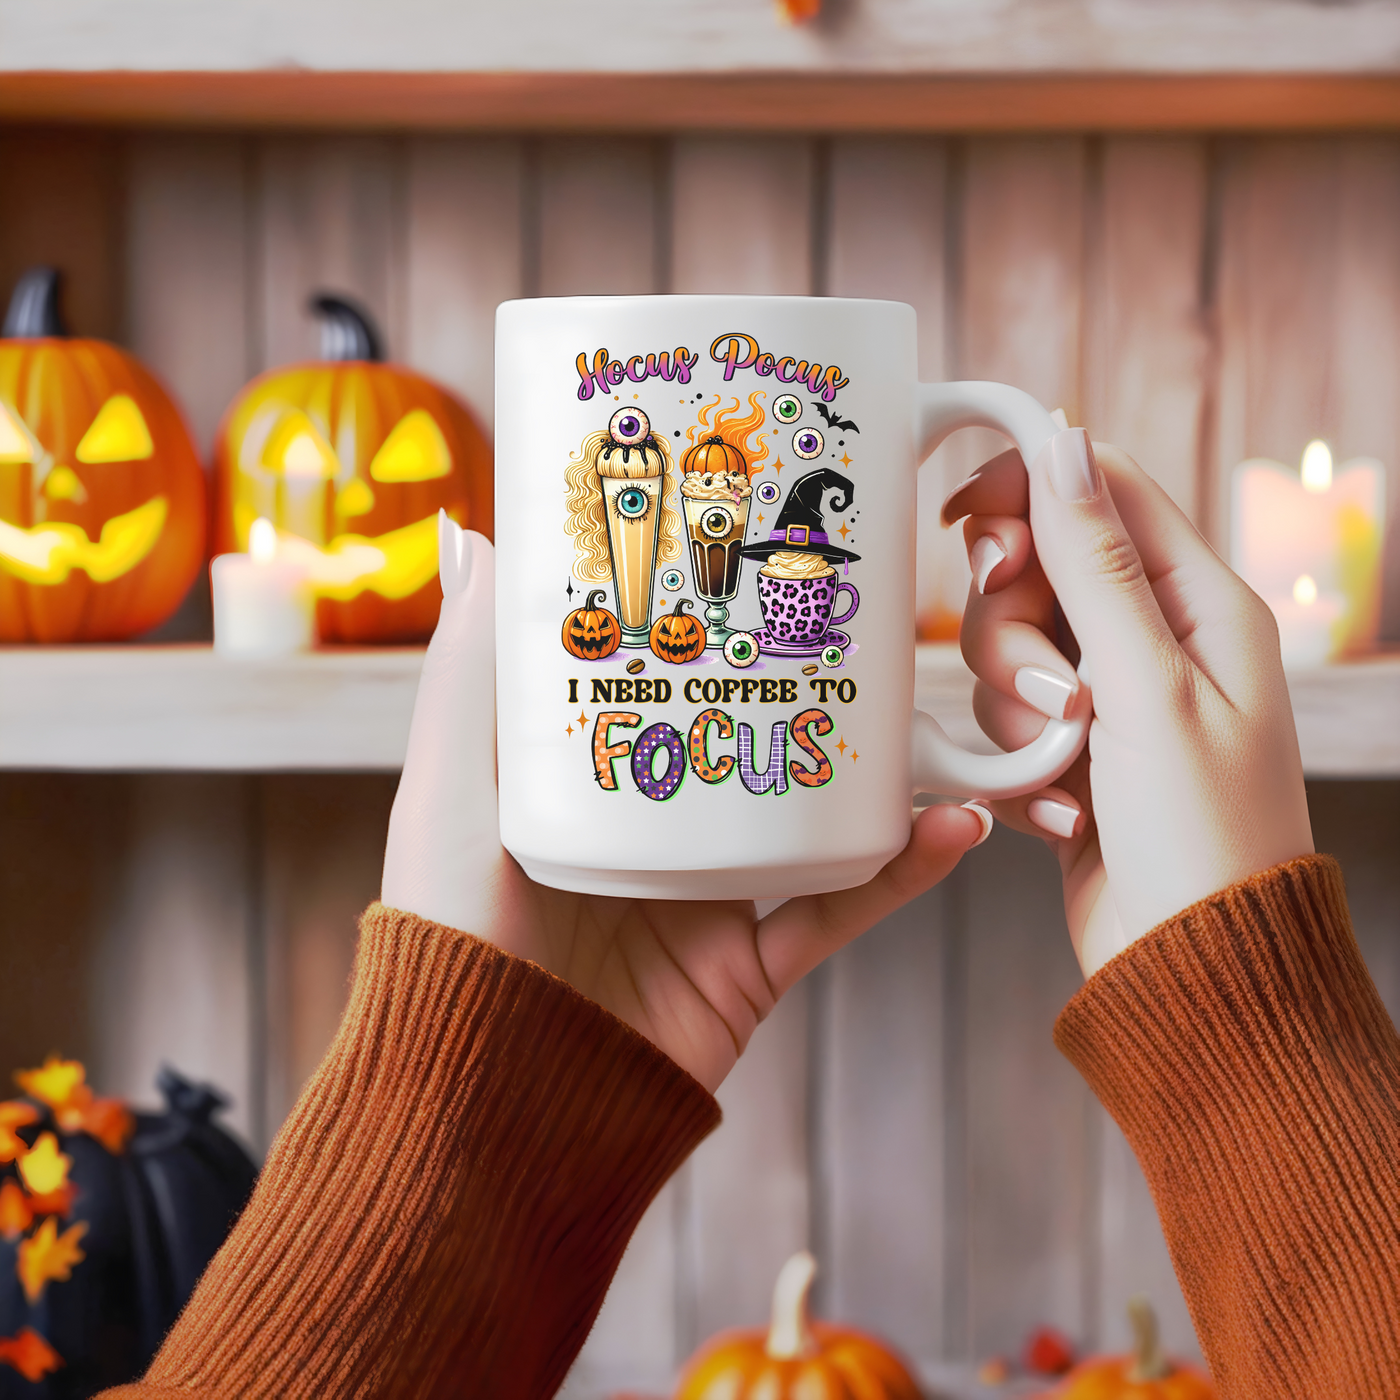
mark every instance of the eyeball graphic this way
{"type": "Point", "coordinates": [833, 657]}
{"type": "Point", "coordinates": [632, 503]}
{"type": "Point", "coordinates": [787, 409]}
{"type": "Point", "coordinates": [672, 579]}
{"type": "Point", "coordinates": [808, 443]}
{"type": "Point", "coordinates": [741, 649]}
{"type": "Point", "coordinates": [717, 522]}
{"type": "Point", "coordinates": [768, 492]}
{"type": "Point", "coordinates": [628, 425]}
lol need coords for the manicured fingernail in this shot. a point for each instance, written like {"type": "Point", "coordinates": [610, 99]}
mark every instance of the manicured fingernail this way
{"type": "Point", "coordinates": [1058, 818]}
{"type": "Point", "coordinates": [1043, 690]}
{"type": "Point", "coordinates": [454, 556]}
{"type": "Point", "coordinates": [986, 553]}
{"type": "Point", "coordinates": [1074, 475]}
{"type": "Point", "coordinates": [943, 509]}
{"type": "Point", "coordinates": [986, 819]}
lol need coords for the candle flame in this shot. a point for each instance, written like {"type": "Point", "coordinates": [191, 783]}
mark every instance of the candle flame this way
{"type": "Point", "coordinates": [262, 540]}
{"type": "Point", "coordinates": [1317, 467]}
{"type": "Point", "coordinates": [1305, 590]}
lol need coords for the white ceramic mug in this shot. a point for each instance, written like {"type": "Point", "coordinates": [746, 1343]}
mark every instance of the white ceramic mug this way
{"type": "Point", "coordinates": [659, 461]}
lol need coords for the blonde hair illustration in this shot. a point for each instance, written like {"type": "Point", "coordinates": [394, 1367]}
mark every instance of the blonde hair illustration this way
{"type": "Point", "coordinates": [585, 503]}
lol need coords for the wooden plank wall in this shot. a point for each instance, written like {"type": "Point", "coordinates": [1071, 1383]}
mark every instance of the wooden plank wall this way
{"type": "Point", "coordinates": [1196, 300]}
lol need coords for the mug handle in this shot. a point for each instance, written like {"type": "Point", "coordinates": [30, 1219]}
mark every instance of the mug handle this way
{"type": "Point", "coordinates": [938, 764]}
{"type": "Point", "coordinates": [851, 611]}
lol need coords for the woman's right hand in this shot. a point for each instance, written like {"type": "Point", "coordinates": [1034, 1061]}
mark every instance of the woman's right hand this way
{"type": "Point", "coordinates": [1191, 779]}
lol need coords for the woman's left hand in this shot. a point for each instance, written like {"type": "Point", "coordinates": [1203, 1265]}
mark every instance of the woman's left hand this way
{"type": "Point", "coordinates": [696, 977]}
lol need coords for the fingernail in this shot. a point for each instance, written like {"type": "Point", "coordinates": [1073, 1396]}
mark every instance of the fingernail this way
{"type": "Point", "coordinates": [1074, 475]}
{"type": "Point", "coordinates": [986, 553]}
{"type": "Point", "coordinates": [986, 819]}
{"type": "Point", "coordinates": [1058, 818]}
{"type": "Point", "coordinates": [454, 556]}
{"type": "Point", "coordinates": [943, 509]}
{"type": "Point", "coordinates": [1044, 691]}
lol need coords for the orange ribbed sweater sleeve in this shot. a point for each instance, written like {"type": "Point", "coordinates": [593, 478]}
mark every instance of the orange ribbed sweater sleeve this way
{"type": "Point", "coordinates": [1245, 1053]}
{"type": "Point", "coordinates": [444, 1208]}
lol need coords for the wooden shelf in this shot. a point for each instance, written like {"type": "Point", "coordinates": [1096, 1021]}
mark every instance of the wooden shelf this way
{"type": "Point", "coordinates": [182, 707]}
{"type": "Point", "coordinates": [784, 101]}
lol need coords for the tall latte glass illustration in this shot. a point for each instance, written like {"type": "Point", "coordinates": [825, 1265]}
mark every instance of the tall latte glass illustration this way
{"type": "Point", "coordinates": [715, 494]}
{"type": "Point", "coordinates": [621, 516]}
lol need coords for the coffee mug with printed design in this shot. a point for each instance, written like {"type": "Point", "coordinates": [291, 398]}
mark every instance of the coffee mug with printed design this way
{"type": "Point", "coordinates": [705, 605]}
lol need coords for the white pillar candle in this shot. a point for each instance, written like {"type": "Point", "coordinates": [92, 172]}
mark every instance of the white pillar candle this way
{"type": "Point", "coordinates": [263, 604]}
{"type": "Point", "coordinates": [1309, 543]}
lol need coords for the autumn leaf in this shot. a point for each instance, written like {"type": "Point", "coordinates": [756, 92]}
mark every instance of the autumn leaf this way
{"type": "Point", "coordinates": [108, 1120]}
{"type": "Point", "coordinates": [29, 1354]}
{"type": "Point", "coordinates": [16, 1214]}
{"type": "Point", "coordinates": [46, 1255]}
{"type": "Point", "coordinates": [55, 1084]}
{"type": "Point", "coordinates": [44, 1168]}
{"type": "Point", "coordinates": [58, 1202]}
{"type": "Point", "coordinates": [14, 1114]}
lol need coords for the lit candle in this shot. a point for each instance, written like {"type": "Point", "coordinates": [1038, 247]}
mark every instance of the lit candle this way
{"type": "Point", "coordinates": [1309, 543]}
{"type": "Point", "coordinates": [263, 604]}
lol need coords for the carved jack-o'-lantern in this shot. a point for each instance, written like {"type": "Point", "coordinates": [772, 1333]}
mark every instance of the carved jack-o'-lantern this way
{"type": "Point", "coordinates": [679, 636]}
{"type": "Point", "coordinates": [351, 459]}
{"type": "Point", "coordinates": [101, 493]}
{"type": "Point", "coordinates": [591, 632]}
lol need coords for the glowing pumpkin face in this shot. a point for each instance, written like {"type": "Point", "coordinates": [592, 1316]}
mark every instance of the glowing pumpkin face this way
{"type": "Point", "coordinates": [101, 493]}
{"type": "Point", "coordinates": [351, 459]}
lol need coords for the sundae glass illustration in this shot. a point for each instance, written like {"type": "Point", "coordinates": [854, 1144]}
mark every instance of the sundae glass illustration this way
{"type": "Point", "coordinates": [620, 518]}
{"type": "Point", "coordinates": [797, 583]}
{"type": "Point", "coordinates": [716, 505]}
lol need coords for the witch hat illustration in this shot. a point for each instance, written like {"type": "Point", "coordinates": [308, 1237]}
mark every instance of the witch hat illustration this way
{"type": "Point", "coordinates": [801, 522]}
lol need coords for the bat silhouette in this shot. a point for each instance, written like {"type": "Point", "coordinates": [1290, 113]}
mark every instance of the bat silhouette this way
{"type": "Point", "coordinates": [832, 421]}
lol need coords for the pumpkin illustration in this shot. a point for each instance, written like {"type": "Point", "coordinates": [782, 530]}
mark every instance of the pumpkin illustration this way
{"type": "Point", "coordinates": [351, 459]}
{"type": "Point", "coordinates": [678, 636]}
{"type": "Point", "coordinates": [795, 1358]}
{"type": "Point", "coordinates": [1145, 1375]}
{"type": "Point", "coordinates": [107, 1220]}
{"type": "Point", "coordinates": [713, 454]}
{"type": "Point", "coordinates": [591, 632]}
{"type": "Point", "coordinates": [101, 492]}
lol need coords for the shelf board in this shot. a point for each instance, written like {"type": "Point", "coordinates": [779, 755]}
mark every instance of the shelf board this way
{"type": "Point", "coordinates": [134, 708]}
{"type": "Point", "coordinates": [777, 101]}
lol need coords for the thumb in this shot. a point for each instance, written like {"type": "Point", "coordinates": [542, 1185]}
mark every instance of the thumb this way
{"type": "Point", "coordinates": [1096, 571]}
{"type": "Point", "coordinates": [443, 829]}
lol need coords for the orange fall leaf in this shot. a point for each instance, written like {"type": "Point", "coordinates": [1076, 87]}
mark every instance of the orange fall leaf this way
{"type": "Point", "coordinates": [44, 1168]}
{"type": "Point", "coordinates": [108, 1120]}
{"type": "Point", "coordinates": [29, 1354]}
{"type": "Point", "coordinates": [55, 1083]}
{"type": "Point", "coordinates": [16, 1214]}
{"type": "Point", "coordinates": [48, 1256]}
{"type": "Point", "coordinates": [58, 1202]}
{"type": "Point", "coordinates": [14, 1114]}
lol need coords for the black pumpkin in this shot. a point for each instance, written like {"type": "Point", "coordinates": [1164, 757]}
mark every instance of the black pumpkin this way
{"type": "Point", "coordinates": [145, 1219]}
{"type": "Point", "coordinates": [679, 636]}
{"type": "Point", "coordinates": [591, 632]}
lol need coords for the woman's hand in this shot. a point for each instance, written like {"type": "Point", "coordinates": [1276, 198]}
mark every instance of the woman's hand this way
{"type": "Point", "coordinates": [1191, 779]}
{"type": "Point", "coordinates": [694, 978]}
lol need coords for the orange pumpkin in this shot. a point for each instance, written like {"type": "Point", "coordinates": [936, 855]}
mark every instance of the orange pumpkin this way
{"type": "Point", "coordinates": [351, 459]}
{"type": "Point", "coordinates": [794, 1359]}
{"type": "Point", "coordinates": [591, 632]}
{"type": "Point", "coordinates": [1145, 1375]}
{"type": "Point", "coordinates": [101, 493]}
{"type": "Point", "coordinates": [678, 636]}
{"type": "Point", "coordinates": [713, 454]}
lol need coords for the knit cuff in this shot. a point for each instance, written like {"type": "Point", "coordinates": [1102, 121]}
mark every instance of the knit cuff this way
{"type": "Point", "coordinates": [1245, 1053]}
